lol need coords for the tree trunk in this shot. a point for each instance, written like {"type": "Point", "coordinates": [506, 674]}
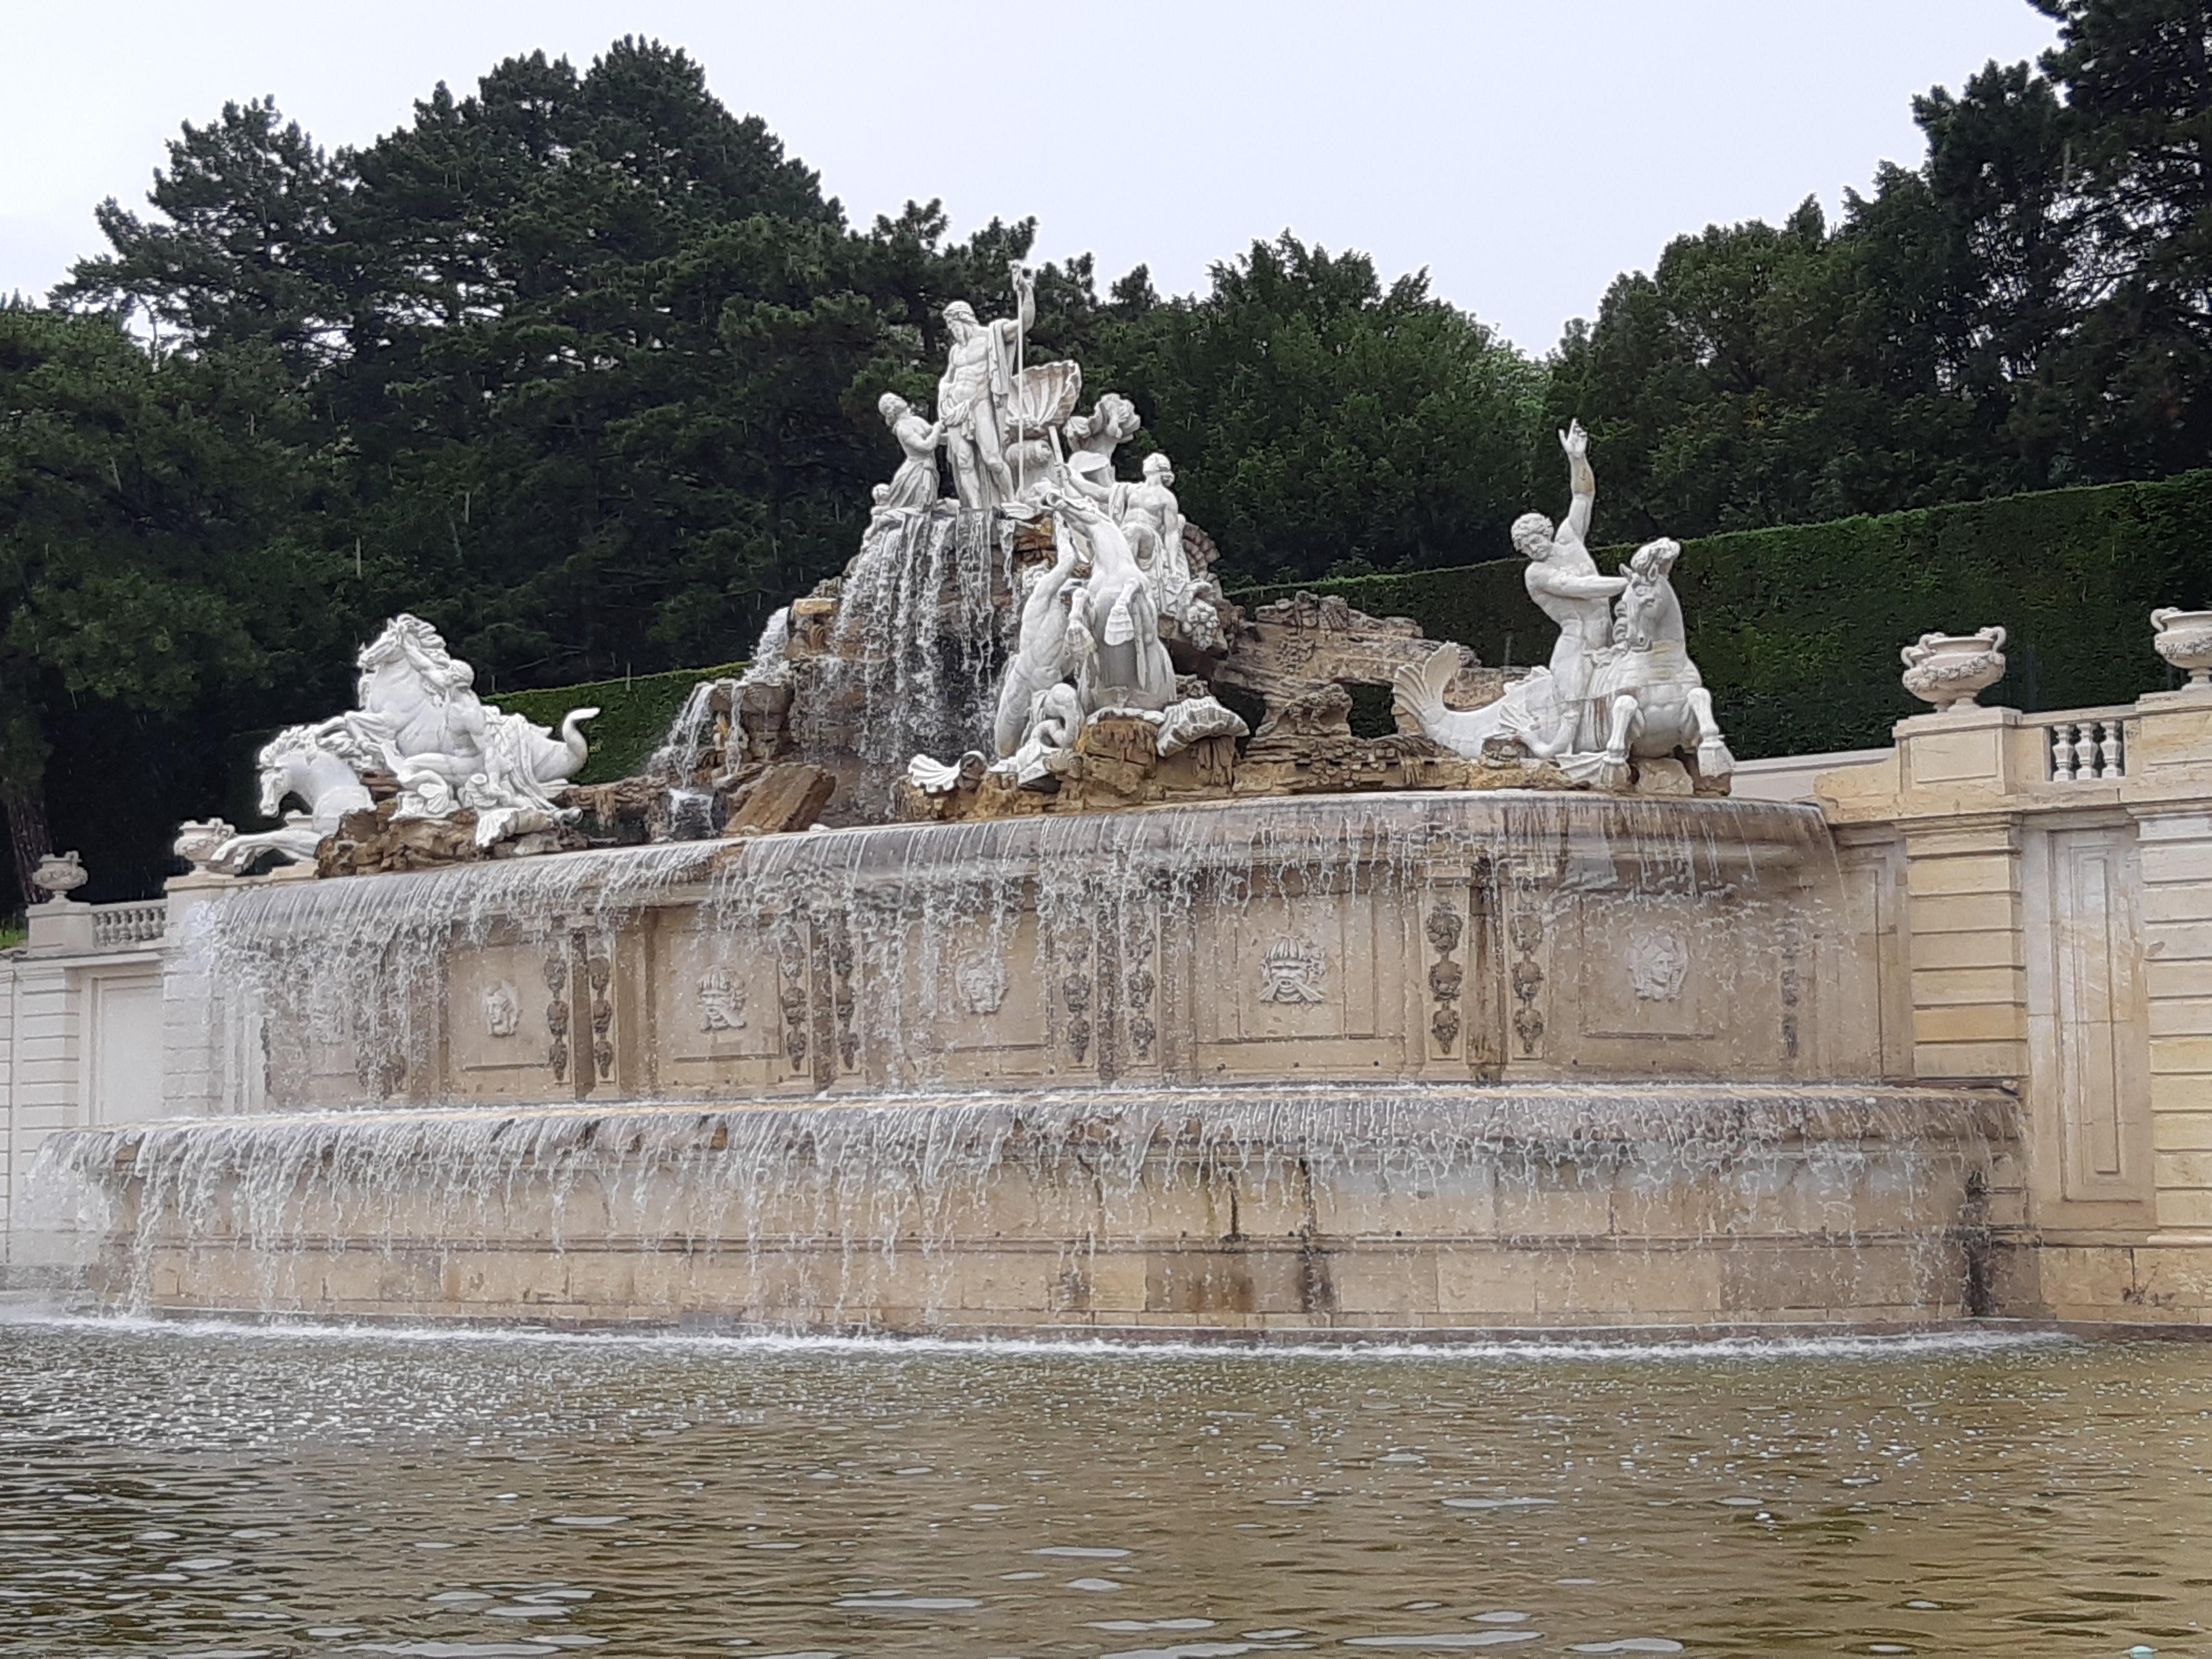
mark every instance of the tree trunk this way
{"type": "Point", "coordinates": [25, 811]}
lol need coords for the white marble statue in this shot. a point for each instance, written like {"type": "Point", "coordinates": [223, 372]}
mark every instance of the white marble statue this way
{"type": "Point", "coordinates": [1529, 709]}
{"type": "Point", "coordinates": [1151, 518]}
{"type": "Point", "coordinates": [1056, 721]}
{"type": "Point", "coordinates": [1653, 700]}
{"type": "Point", "coordinates": [1042, 657]}
{"type": "Point", "coordinates": [1093, 438]}
{"type": "Point", "coordinates": [1085, 646]}
{"type": "Point", "coordinates": [1620, 686]}
{"type": "Point", "coordinates": [975, 389]}
{"type": "Point", "coordinates": [913, 486]}
{"type": "Point", "coordinates": [421, 721]}
{"type": "Point", "coordinates": [299, 762]}
{"type": "Point", "coordinates": [1563, 581]}
{"type": "Point", "coordinates": [1114, 621]}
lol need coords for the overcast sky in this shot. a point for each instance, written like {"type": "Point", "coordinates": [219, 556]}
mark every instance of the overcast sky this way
{"type": "Point", "coordinates": [1524, 151]}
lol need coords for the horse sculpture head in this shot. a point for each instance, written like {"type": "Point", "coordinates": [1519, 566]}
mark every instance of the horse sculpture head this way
{"type": "Point", "coordinates": [1649, 613]}
{"type": "Point", "coordinates": [284, 761]}
{"type": "Point", "coordinates": [407, 663]}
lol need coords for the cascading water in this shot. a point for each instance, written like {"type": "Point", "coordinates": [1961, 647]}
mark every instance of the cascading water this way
{"type": "Point", "coordinates": [836, 1216]}
{"type": "Point", "coordinates": [921, 628]}
{"type": "Point", "coordinates": [1091, 1070]}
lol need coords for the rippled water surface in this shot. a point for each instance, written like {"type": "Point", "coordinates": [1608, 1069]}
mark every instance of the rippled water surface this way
{"type": "Point", "coordinates": [230, 1492]}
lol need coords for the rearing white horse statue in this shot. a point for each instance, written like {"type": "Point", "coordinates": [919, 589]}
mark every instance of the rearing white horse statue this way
{"type": "Point", "coordinates": [420, 720]}
{"type": "Point", "coordinates": [1648, 694]}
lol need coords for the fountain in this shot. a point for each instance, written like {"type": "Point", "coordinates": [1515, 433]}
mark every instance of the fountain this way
{"type": "Point", "coordinates": [1027, 941]}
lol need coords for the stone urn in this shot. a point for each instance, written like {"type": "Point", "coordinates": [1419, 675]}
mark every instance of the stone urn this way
{"type": "Point", "coordinates": [1948, 670]}
{"type": "Point", "coordinates": [2184, 639]}
{"type": "Point", "coordinates": [199, 840]}
{"type": "Point", "coordinates": [59, 875]}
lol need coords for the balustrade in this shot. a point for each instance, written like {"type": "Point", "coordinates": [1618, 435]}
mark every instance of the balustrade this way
{"type": "Point", "coordinates": [114, 925]}
{"type": "Point", "coordinates": [2084, 752]}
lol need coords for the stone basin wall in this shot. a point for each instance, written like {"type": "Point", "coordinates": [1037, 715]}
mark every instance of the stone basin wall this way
{"type": "Point", "coordinates": [1429, 1210]}
{"type": "Point", "coordinates": [1429, 1062]}
{"type": "Point", "coordinates": [1443, 938]}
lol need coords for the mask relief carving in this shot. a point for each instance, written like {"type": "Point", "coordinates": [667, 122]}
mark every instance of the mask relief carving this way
{"type": "Point", "coordinates": [502, 1010]}
{"type": "Point", "coordinates": [1658, 962]}
{"type": "Point", "coordinates": [721, 1003]}
{"type": "Point", "coordinates": [1290, 972]}
{"type": "Point", "coordinates": [980, 979]}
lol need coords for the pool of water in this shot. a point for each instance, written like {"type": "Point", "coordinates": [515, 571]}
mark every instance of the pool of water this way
{"type": "Point", "coordinates": [220, 1491]}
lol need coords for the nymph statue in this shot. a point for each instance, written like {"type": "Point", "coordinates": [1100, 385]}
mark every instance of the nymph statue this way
{"type": "Point", "coordinates": [913, 486]}
{"type": "Point", "coordinates": [1093, 438]}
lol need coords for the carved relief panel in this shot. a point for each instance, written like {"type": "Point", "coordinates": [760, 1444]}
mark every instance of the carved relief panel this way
{"type": "Point", "coordinates": [715, 1010]}
{"type": "Point", "coordinates": [1645, 969]}
{"type": "Point", "coordinates": [1299, 970]}
{"type": "Point", "coordinates": [2088, 1017]}
{"type": "Point", "coordinates": [490, 1013]}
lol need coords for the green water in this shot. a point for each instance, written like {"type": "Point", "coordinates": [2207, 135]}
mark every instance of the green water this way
{"type": "Point", "coordinates": [211, 1493]}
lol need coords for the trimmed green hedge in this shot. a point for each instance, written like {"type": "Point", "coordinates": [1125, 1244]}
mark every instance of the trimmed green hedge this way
{"type": "Point", "coordinates": [633, 715]}
{"type": "Point", "coordinates": [1797, 630]}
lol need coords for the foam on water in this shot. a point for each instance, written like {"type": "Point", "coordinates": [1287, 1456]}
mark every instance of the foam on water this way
{"type": "Point", "coordinates": [1827, 1348]}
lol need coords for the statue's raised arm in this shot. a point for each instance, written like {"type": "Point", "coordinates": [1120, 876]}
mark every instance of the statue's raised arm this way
{"type": "Point", "coordinates": [1582, 480]}
{"type": "Point", "coordinates": [1017, 327]}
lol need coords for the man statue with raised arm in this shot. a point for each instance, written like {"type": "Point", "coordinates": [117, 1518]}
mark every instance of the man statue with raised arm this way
{"type": "Point", "coordinates": [972, 395]}
{"type": "Point", "coordinates": [1563, 582]}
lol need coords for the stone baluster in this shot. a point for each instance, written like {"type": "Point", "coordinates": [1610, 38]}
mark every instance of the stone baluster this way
{"type": "Point", "coordinates": [2062, 753]}
{"type": "Point", "coordinates": [2088, 750]}
{"type": "Point", "coordinates": [2085, 750]}
{"type": "Point", "coordinates": [2113, 750]}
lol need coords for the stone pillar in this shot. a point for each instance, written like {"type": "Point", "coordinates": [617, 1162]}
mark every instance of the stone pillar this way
{"type": "Point", "coordinates": [2170, 779]}
{"type": "Point", "coordinates": [61, 924]}
{"type": "Point", "coordinates": [2176, 850]}
{"type": "Point", "coordinates": [1967, 953]}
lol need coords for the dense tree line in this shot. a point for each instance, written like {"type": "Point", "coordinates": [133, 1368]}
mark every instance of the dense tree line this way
{"type": "Point", "coordinates": [583, 366]}
{"type": "Point", "coordinates": [2030, 308]}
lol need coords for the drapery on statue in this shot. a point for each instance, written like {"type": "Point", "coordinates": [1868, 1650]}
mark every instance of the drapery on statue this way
{"type": "Point", "coordinates": [973, 393]}
{"type": "Point", "coordinates": [915, 484]}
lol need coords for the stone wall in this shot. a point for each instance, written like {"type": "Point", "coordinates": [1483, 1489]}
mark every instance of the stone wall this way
{"type": "Point", "coordinates": [1354, 1209]}
{"type": "Point", "coordinates": [2045, 882]}
{"type": "Point", "coordinates": [80, 1044]}
{"type": "Point", "coordinates": [1415, 936]}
